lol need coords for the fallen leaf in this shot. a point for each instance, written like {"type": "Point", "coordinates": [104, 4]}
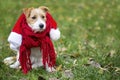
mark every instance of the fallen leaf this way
{"type": "Point", "coordinates": [74, 62]}
{"type": "Point", "coordinates": [75, 55]}
{"type": "Point", "coordinates": [68, 74]}
{"type": "Point", "coordinates": [59, 67]}
{"type": "Point", "coordinates": [111, 53]}
{"type": "Point", "coordinates": [117, 69]}
{"type": "Point", "coordinates": [93, 63]}
{"type": "Point", "coordinates": [104, 69]}
{"type": "Point", "coordinates": [108, 65]}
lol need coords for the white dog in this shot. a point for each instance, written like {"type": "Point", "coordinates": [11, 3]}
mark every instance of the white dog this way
{"type": "Point", "coordinates": [36, 20]}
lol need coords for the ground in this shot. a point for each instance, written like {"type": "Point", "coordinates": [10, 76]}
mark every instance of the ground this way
{"type": "Point", "coordinates": [89, 31]}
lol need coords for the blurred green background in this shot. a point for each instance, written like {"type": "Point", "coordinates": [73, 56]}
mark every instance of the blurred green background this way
{"type": "Point", "coordinates": [89, 29]}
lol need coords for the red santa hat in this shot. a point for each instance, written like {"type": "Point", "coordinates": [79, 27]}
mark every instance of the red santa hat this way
{"type": "Point", "coordinates": [15, 37]}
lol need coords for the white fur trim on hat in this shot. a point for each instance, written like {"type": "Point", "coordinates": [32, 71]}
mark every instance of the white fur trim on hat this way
{"type": "Point", "coordinates": [54, 34]}
{"type": "Point", "coordinates": [15, 40]}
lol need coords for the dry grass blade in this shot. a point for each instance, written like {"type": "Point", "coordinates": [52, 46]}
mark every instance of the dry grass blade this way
{"type": "Point", "coordinates": [117, 69]}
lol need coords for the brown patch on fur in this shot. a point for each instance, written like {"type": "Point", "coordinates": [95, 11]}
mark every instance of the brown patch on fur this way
{"type": "Point", "coordinates": [27, 11]}
{"type": "Point", "coordinates": [44, 8]}
{"type": "Point", "coordinates": [30, 19]}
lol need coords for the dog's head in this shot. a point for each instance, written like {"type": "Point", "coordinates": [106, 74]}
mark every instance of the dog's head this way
{"type": "Point", "coordinates": [36, 18]}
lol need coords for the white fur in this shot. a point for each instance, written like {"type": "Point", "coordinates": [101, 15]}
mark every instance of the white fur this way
{"type": "Point", "coordinates": [9, 60]}
{"type": "Point", "coordinates": [54, 34]}
{"type": "Point", "coordinates": [36, 60]}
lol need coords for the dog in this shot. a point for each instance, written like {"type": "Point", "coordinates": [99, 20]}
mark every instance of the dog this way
{"type": "Point", "coordinates": [36, 20]}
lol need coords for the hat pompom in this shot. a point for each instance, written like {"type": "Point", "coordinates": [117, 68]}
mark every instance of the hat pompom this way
{"type": "Point", "coordinates": [54, 34]}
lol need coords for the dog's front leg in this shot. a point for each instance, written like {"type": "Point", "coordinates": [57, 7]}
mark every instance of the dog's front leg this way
{"type": "Point", "coordinates": [50, 69]}
{"type": "Point", "coordinates": [17, 63]}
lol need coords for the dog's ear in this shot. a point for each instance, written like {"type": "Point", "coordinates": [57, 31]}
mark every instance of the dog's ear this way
{"type": "Point", "coordinates": [27, 11]}
{"type": "Point", "coordinates": [44, 8]}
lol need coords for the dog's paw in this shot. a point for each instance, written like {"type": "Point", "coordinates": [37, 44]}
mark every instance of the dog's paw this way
{"type": "Point", "coordinates": [9, 60]}
{"type": "Point", "coordinates": [34, 66]}
{"type": "Point", "coordinates": [50, 69]}
{"type": "Point", "coordinates": [15, 65]}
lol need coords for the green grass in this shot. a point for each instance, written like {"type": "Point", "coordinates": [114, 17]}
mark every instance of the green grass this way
{"type": "Point", "coordinates": [89, 28]}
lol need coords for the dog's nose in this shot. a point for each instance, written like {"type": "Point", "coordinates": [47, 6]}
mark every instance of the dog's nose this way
{"type": "Point", "coordinates": [41, 26]}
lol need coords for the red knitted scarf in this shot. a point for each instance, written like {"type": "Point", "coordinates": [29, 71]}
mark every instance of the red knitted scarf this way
{"type": "Point", "coordinates": [30, 40]}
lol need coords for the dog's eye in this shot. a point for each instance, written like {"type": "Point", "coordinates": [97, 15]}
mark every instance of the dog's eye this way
{"type": "Point", "coordinates": [43, 17]}
{"type": "Point", "coordinates": [33, 17]}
